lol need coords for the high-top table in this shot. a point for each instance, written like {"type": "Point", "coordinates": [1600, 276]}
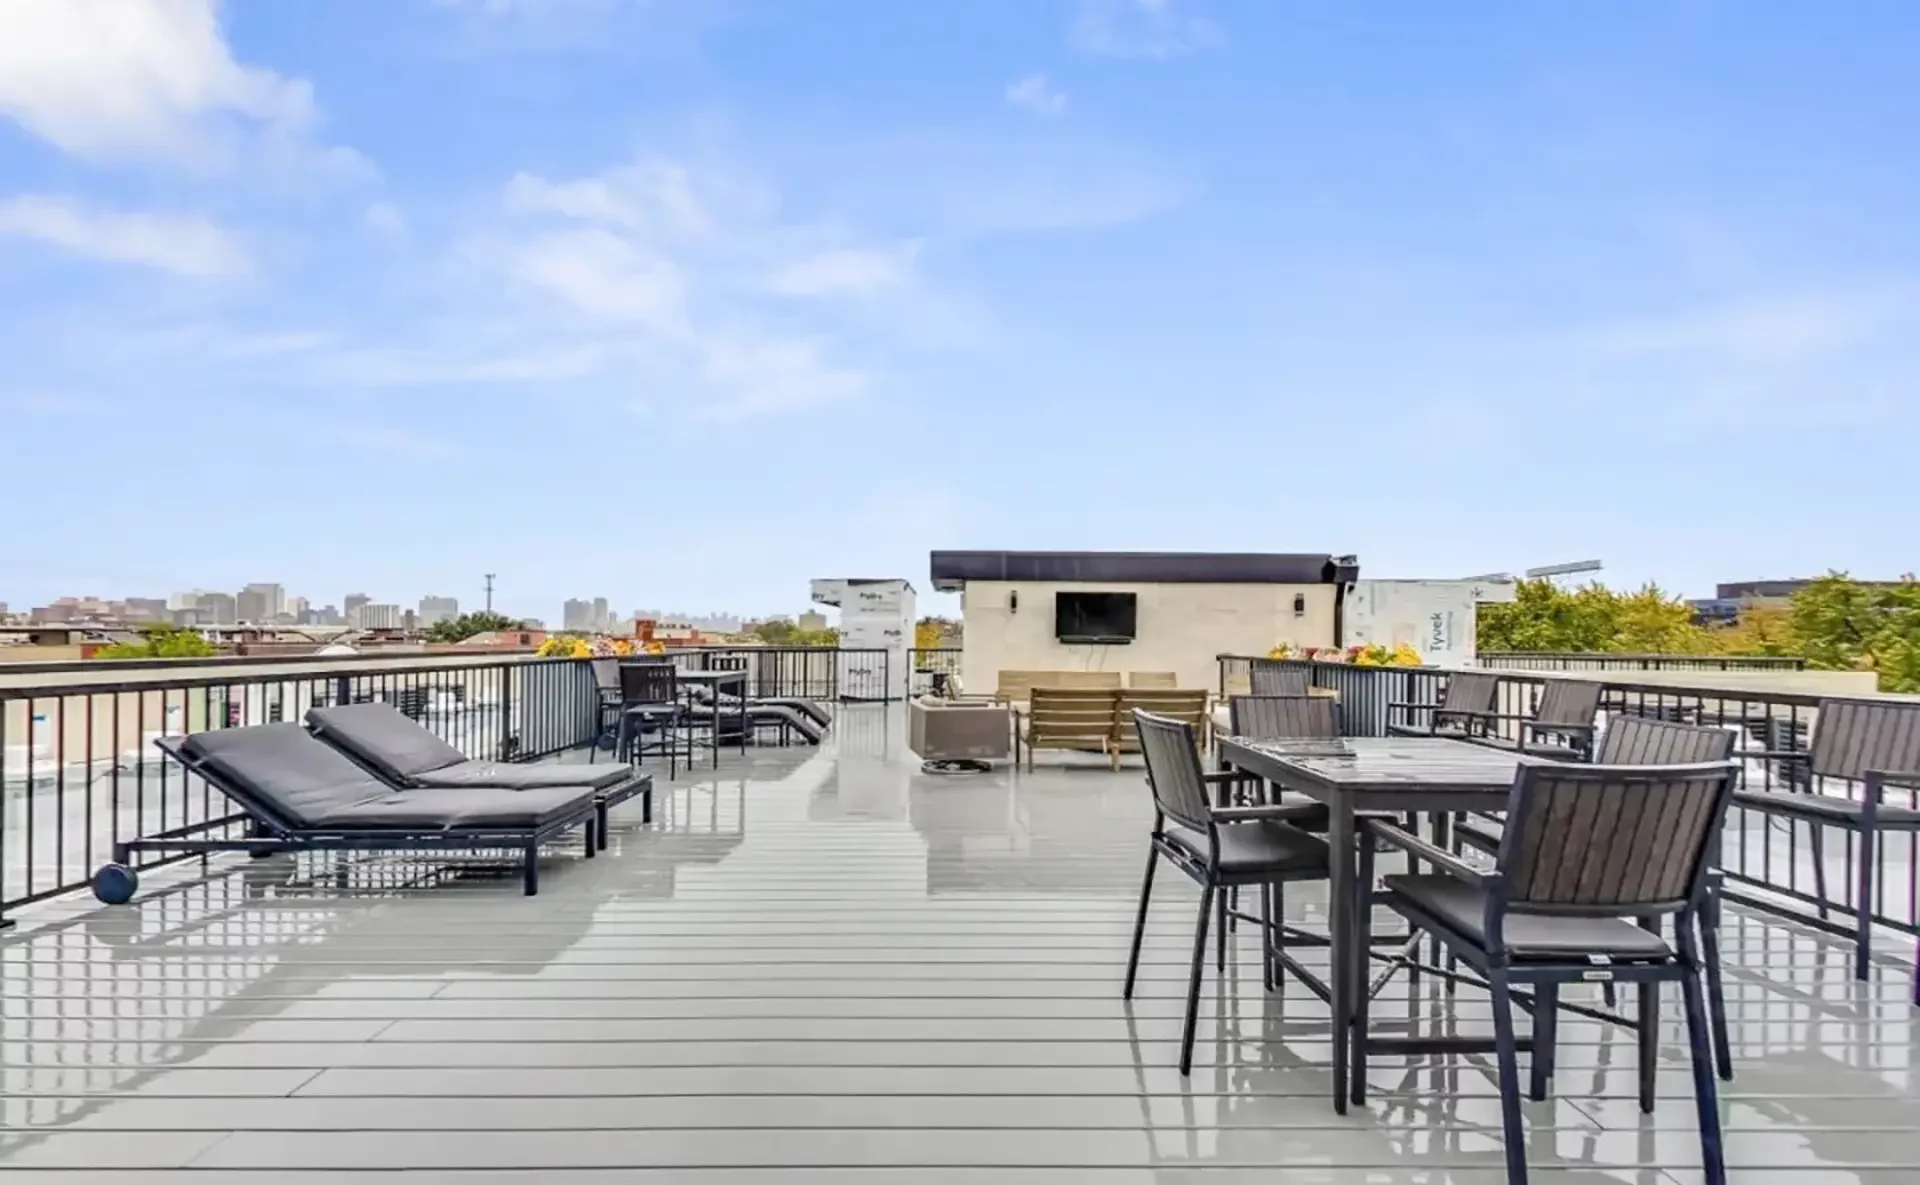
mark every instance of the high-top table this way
{"type": "Point", "coordinates": [1424, 775]}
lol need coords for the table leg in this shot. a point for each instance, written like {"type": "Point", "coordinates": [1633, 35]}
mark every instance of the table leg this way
{"type": "Point", "coordinates": [1340, 897]}
{"type": "Point", "coordinates": [743, 719]}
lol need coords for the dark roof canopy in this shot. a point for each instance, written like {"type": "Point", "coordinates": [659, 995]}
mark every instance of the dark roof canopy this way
{"type": "Point", "coordinates": [951, 569]}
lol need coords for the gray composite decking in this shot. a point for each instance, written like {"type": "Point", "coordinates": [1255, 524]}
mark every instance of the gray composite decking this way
{"type": "Point", "coordinates": [822, 966]}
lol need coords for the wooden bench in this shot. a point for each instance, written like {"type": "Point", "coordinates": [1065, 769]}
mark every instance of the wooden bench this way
{"type": "Point", "coordinates": [1067, 718]}
{"type": "Point", "coordinates": [1101, 721]}
{"type": "Point", "coordinates": [1018, 686]}
{"type": "Point", "coordinates": [1189, 707]}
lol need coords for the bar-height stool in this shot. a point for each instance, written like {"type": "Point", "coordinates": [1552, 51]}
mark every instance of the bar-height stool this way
{"type": "Point", "coordinates": [1592, 857]}
{"type": "Point", "coordinates": [1219, 847]}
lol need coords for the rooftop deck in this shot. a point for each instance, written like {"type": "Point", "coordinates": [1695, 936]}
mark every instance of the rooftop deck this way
{"type": "Point", "coordinates": [824, 966]}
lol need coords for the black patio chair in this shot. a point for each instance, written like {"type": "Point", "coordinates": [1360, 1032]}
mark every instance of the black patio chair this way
{"type": "Point", "coordinates": [1592, 859]}
{"type": "Point", "coordinates": [1563, 721]}
{"type": "Point", "coordinates": [1464, 711]}
{"type": "Point", "coordinates": [650, 703]}
{"type": "Point", "coordinates": [606, 681]}
{"type": "Point", "coordinates": [1875, 744]}
{"type": "Point", "coordinates": [1635, 740]}
{"type": "Point", "coordinates": [1271, 676]}
{"type": "Point", "coordinates": [1220, 847]}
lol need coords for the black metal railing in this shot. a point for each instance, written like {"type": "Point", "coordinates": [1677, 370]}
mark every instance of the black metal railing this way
{"type": "Point", "coordinates": [79, 771]}
{"type": "Point", "coordinates": [1766, 859]}
{"type": "Point", "coordinates": [828, 673]}
{"type": "Point", "coordinates": [931, 665]}
{"type": "Point", "coordinates": [1533, 660]}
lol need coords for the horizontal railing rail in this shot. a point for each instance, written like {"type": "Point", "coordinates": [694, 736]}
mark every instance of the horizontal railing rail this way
{"type": "Point", "coordinates": [376, 655]}
{"type": "Point", "coordinates": [1773, 859]}
{"type": "Point", "coordinates": [1540, 660]}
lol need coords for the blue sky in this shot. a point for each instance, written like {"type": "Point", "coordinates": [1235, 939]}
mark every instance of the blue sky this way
{"type": "Point", "coordinates": [684, 302]}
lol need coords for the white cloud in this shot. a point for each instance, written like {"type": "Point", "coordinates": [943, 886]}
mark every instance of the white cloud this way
{"type": "Point", "coordinates": [605, 276]}
{"type": "Point", "coordinates": [385, 219]}
{"type": "Point", "coordinates": [847, 271]}
{"type": "Point", "coordinates": [674, 276]}
{"type": "Point", "coordinates": [184, 245]}
{"type": "Point", "coordinates": [655, 197]}
{"type": "Point", "coordinates": [1034, 93]}
{"type": "Point", "coordinates": [1142, 28]}
{"type": "Point", "coordinates": [148, 80]}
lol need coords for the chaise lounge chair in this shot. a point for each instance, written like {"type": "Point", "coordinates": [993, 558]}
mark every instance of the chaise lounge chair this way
{"type": "Point", "coordinates": [406, 756]}
{"type": "Point", "coordinates": [302, 795]}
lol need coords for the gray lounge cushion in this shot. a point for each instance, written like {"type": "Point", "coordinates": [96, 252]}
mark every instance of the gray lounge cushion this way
{"type": "Point", "coordinates": [441, 808]}
{"type": "Point", "coordinates": [1528, 936]}
{"type": "Point", "coordinates": [505, 775]}
{"type": "Point", "coordinates": [384, 740]}
{"type": "Point", "coordinates": [294, 777]}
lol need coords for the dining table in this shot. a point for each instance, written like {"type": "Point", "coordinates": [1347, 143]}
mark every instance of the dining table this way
{"type": "Point", "coordinates": [1429, 776]}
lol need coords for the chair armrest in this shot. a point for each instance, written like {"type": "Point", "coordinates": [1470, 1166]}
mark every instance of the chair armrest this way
{"type": "Point", "coordinates": [1536, 726]}
{"type": "Point", "coordinates": [1415, 846]}
{"type": "Point", "coordinates": [1895, 777]}
{"type": "Point", "coordinates": [1776, 754]}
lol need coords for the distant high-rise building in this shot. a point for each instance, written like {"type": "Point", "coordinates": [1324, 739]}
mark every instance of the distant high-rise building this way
{"type": "Point", "coordinates": [202, 607]}
{"type": "Point", "coordinates": [368, 615]}
{"type": "Point", "coordinates": [143, 609]}
{"type": "Point", "coordinates": [576, 615]}
{"type": "Point", "coordinates": [267, 600]}
{"type": "Point", "coordinates": [352, 604]}
{"type": "Point", "coordinates": [602, 616]}
{"type": "Point", "coordinates": [251, 606]}
{"type": "Point", "coordinates": [327, 615]}
{"type": "Point", "coordinates": [437, 609]}
{"type": "Point", "coordinates": [298, 610]}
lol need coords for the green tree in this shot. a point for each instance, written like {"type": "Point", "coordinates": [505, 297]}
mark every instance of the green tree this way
{"type": "Point", "coordinates": [1592, 618]}
{"type": "Point", "coordinates": [781, 631]}
{"type": "Point", "coordinates": [161, 641]}
{"type": "Point", "coordinates": [459, 629]}
{"type": "Point", "coordinates": [1840, 624]}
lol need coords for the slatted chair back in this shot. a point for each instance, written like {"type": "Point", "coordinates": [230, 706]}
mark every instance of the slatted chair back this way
{"type": "Point", "coordinates": [1173, 769]}
{"type": "Point", "coordinates": [1567, 702]}
{"type": "Point", "coordinates": [1153, 680]}
{"type": "Point", "coordinates": [1636, 740]}
{"type": "Point", "coordinates": [1017, 686]}
{"type": "Point", "coordinates": [1611, 840]}
{"type": "Point", "coordinates": [1189, 707]}
{"type": "Point", "coordinates": [1069, 718]}
{"type": "Point", "coordinates": [649, 683]}
{"type": "Point", "coordinates": [1470, 691]}
{"type": "Point", "coordinates": [1272, 677]}
{"type": "Point", "coordinates": [606, 674]}
{"type": "Point", "coordinates": [1283, 717]}
{"type": "Point", "coordinates": [1853, 738]}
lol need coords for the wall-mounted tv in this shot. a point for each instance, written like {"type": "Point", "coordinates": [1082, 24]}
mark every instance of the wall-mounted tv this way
{"type": "Point", "coordinates": [1103, 617]}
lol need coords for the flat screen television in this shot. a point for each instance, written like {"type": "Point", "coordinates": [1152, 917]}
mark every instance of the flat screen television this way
{"type": "Point", "coordinates": [1105, 617]}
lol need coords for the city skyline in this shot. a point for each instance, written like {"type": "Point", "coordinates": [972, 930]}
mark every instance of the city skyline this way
{"type": "Point", "coordinates": [1590, 266]}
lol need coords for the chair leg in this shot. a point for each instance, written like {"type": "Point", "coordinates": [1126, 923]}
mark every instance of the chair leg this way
{"type": "Point", "coordinates": [530, 871]}
{"type": "Point", "coordinates": [1513, 1129]}
{"type": "Point", "coordinates": [1647, 1029]}
{"type": "Point", "coordinates": [1266, 938]}
{"type": "Point", "coordinates": [1220, 932]}
{"type": "Point", "coordinates": [1140, 924]}
{"type": "Point", "coordinates": [1863, 906]}
{"type": "Point", "coordinates": [1705, 1100]}
{"type": "Point", "coordinates": [1817, 839]}
{"type": "Point", "coordinates": [1546, 1017]}
{"type": "Point", "coordinates": [1279, 938]}
{"type": "Point", "coordinates": [1716, 991]}
{"type": "Point", "coordinates": [1193, 980]}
